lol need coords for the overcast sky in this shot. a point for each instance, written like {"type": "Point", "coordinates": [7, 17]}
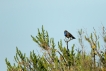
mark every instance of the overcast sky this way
{"type": "Point", "coordinates": [21, 18]}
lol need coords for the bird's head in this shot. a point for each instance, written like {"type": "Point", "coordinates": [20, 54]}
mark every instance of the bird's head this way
{"type": "Point", "coordinates": [65, 32]}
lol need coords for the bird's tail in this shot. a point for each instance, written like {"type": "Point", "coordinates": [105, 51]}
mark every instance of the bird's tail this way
{"type": "Point", "coordinates": [73, 37]}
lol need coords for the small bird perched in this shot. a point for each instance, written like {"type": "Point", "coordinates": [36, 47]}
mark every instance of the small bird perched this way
{"type": "Point", "coordinates": [68, 35]}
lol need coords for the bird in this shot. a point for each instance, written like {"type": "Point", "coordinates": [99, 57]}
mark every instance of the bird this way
{"type": "Point", "coordinates": [68, 35]}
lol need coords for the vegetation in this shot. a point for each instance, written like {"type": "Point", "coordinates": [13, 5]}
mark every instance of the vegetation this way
{"type": "Point", "coordinates": [60, 58]}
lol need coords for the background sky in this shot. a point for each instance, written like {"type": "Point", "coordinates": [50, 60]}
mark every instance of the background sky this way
{"type": "Point", "coordinates": [21, 18]}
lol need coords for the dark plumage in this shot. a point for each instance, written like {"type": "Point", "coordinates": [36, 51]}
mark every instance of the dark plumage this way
{"type": "Point", "coordinates": [68, 35]}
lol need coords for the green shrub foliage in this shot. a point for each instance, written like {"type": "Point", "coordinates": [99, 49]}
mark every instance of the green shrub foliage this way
{"type": "Point", "coordinates": [60, 58]}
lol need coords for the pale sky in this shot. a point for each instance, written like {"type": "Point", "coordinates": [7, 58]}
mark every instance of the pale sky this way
{"type": "Point", "coordinates": [20, 19]}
